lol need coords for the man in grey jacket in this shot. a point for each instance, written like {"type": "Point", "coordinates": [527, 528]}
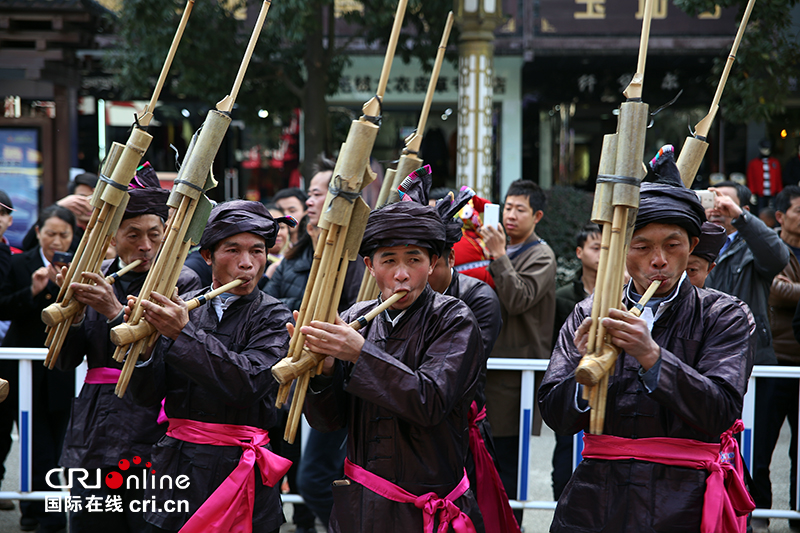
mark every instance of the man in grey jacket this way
{"type": "Point", "coordinates": [524, 273]}
{"type": "Point", "coordinates": [752, 256]}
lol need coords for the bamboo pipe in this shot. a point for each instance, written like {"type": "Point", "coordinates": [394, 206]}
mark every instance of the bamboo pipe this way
{"type": "Point", "coordinates": [147, 114]}
{"type": "Point", "coordinates": [132, 333]}
{"type": "Point", "coordinates": [226, 104]}
{"type": "Point", "coordinates": [634, 89]}
{"type": "Point", "coordinates": [694, 148]}
{"type": "Point", "coordinates": [373, 107]}
{"type": "Point", "coordinates": [53, 314]}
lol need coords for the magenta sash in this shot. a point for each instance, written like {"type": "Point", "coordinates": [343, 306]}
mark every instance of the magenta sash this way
{"type": "Point", "coordinates": [230, 507]}
{"type": "Point", "coordinates": [102, 376]}
{"type": "Point", "coordinates": [430, 503]}
{"type": "Point", "coordinates": [727, 501]}
{"type": "Point", "coordinates": [109, 376]}
{"type": "Point", "coordinates": [492, 499]}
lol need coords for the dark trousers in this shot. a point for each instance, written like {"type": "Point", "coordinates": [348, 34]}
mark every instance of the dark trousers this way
{"type": "Point", "coordinates": [562, 464]}
{"type": "Point", "coordinates": [507, 449]}
{"type": "Point", "coordinates": [322, 464]}
{"type": "Point", "coordinates": [303, 517]}
{"type": "Point", "coordinates": [776, 399]}
{"type": "Point", "coordinates": [126, 521]}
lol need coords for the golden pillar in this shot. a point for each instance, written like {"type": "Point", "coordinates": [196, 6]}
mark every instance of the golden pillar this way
{"type": "Point", "coordinates": [477, 20]}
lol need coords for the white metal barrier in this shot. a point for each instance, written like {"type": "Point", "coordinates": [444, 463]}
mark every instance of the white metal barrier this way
{"type": "Point", "coordinates": [30, 356]}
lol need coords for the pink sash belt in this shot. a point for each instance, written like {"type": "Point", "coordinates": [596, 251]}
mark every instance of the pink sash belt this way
{"type": "Point", "coordinates": [230, 507]}
{"type": "Point", "coordinates": [492, 498]}
{"type": "Point", "coordinates": [109, 376]}
{"type": "Point", "coordinates": [727, 501]}
{"type": "Point", "coordinates": [430, 503]}
{"type": "Point", "coordinates": [102, 376]}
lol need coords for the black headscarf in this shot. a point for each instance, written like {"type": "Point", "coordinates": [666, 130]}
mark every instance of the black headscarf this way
{"type": "Point", "coordinates": [417, 187]}
{"type": "Point", "coordinates": [403, 224]}
{"type": "Point", "coordinates": [146, 195]}
{"type": "Point", "coordinates": [712, 237]}
{"type": "Point", "coordinates": [667, 200]}
{"type": "Point", "coordinates": [242, 216]}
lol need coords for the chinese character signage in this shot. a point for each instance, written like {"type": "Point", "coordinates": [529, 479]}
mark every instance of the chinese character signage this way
{"type": "Point", "coordinates": [624, 17]}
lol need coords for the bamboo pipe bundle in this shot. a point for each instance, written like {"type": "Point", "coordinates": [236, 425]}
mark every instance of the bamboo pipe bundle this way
{"type": "Point", "coordinates": [129, 334]}
{"type": "Point", "coordinates": [343, 220]}
{"type": "Point", "coordinates": [694, 148]}
{"type": "Point", "coordinates": [409, 159]}
{"type": "Point", "coordinates": [615, 204]}
{"type": "Point", "coordinates": [108, 205]}
{"type": "Point", "coordinates": [192, 210]}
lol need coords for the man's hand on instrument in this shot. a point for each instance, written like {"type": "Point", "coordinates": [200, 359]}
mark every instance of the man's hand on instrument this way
{"type": "Point", "coordinates": [336, 340]}
{"type": "Point", "coordinates": [99, 297]}
{"type": "Point", "coordinates": [494, 238]}
{"type": "Point", "coordinates": [581, 338]}
{"type": "Point", "coordinates": [631, 334]}
{"type": "Point", "coordinates": [169, 317]}
{"type": "Point", "coordinates": [327, 366]}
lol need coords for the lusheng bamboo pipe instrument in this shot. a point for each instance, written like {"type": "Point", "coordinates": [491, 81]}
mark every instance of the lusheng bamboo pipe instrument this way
{"type": "Point", "coordinates": [616, 201]}
{"type": "Point", "coordinates": [128, 334]}
{"type": "Point", "coordinates": [108, 203]}
{"type": "Point", "coordinates": [286, 370]}
{"type": "Point", "coordinates": [192, 210]}
{"type": "Point", "coordinates": [694, 148]}
{"type": "Point", "coordinates": [342, 221]}
{"type": "Point", "coordinates": [409, 159]}
{"type": "Point", "coordinates": [52, 315]}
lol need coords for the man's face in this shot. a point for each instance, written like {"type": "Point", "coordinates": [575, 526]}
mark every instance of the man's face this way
{"type": "Point", "coordinates": [139, 238]}
{"type": "Point", "coordinates": [242, 256]}
{"type": "Point", "coordinates": [401, 268]}
{"type": "Point", "coordinates": [715, 216]}
{"type": "Point", "coordinates": [589, 253]}
{"type": "Point", "coordinates": [519, 220]}
{"type": "Point", "coordinates": [292, 206]}
{"type": "Point", "coordinates": [442, 273]}
{"type": "Point", "coordinates": [790, 220]}
{"type": "Point", "coordinates": [5, 221]}
{"type": "Point", "coordinates": [317, 190]}
{"type": "Point", "coordinates": [659, 252]}
{"type": "Point", "coordinates": [54, 236]}
{"type": "Point", "coordinates": [698, 270]}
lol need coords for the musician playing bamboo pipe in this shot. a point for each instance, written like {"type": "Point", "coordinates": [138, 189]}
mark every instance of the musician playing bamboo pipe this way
{"type": "Point", "coordinates": [402, 385]}
{"type": "Point", "coordinates": [104, 428]}
{"type": "Point", "coordinates": [681, 379]}
{"type": "Point", "coordinates": [212, 367]}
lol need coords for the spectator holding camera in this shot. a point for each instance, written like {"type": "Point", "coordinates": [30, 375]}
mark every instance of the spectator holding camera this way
{"type": "Point", "coordinates": [29, 288]}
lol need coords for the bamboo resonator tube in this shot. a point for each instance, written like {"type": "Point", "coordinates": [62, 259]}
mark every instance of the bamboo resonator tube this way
{"type": "Point", "coordinates": [616, 202]}
{"type": "Point", "coordinates": [108, 202]}
{"type": "Point", "coordinates": [342, 223]}
{"type": "Point", "coordinates": [286, 370]}
{"type": "Point", "coordinates": [188, 220]}
{"type": "Point", "coordinates": [52, 315]}
{"type": "Point", "coordinates": [409, 159]}
{"type": "Point", "coordinates": [695, 146]}
{"type": "Point", "coordinates": [129, 334]}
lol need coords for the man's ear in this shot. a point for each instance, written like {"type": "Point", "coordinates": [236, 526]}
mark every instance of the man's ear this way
{"type": "Point", "coordinates": [206, 254]}
{"type": "Point", "coordinates": [451, 258]}
{"type": "Point", "coordinates": [368, 264]}
{"type": "Point", "coordinates": [693, 242]}
{"type": "Point", "coordinates": [779, 217]}
{"type": "Point", "coordinates": [711, 266]}
{"type": "Point", "coordinates": [434, 260]}
{"type": "Point", "coordinates": [537, 216]}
